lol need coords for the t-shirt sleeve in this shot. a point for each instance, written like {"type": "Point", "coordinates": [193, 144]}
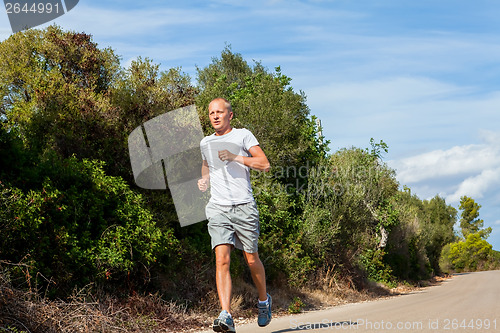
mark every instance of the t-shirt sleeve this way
{"type": "Point", "coordinates": [249, 140]}
{"type": "Point", "coordinates": [202, 145]}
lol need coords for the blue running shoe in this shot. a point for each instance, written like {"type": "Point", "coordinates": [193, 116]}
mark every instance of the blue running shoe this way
{"type": "Point", "coordinates": [265, 312]}
{"type": "Point", "coordinates": [224, 323]}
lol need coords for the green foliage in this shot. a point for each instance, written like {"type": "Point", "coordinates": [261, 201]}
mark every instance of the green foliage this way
{"type": "Point", "coordinates": [285, 258]}
{"type": "Point", "coordinates": [425, 227]}
{"type": "Point", "coordinates": [265, 103]}
{"type": "Point", "coordinates": [275, 211]}
{"type": "Point", "coordinates": [69, 213]}
{"type": "Point", "coordinates": [321, 219]}
{"type": "Point", "coordinates": [445, 264]}
{"type": "Point", "coordinates": [67, 108]}
{"type": "Point", "coordinates": [350, 209]}
{"type": "Point", "coordinates": [437, 228]}
{"type": "Point", "coordinates": [143, 92]}
{"type": "Point", "coordinates": [79, 224]}
{"type": "Point", "coordinates": [469, 221]}
{"type": "Point", "coordinates": [472, 254]}
{"type": "Point", "coordinates": [378, 149]}
{"type": "Point", "coordinates": [54, 87]}
{"type": "Point", "coordinates": [345, 204]}
{"type": "Point", "coordinates": [375, 267]}
{"type": "Point", "coordinates": [366, 186]}
{"type": "Point", "coordinates": [60, 92]}
{"type": "Point", "coordinates": [296, 306]}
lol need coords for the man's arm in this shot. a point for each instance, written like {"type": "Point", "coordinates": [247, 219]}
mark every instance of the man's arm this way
{"type": "Point", "coordinates": [205, 177]}
{"type": "Point", "coordinates": [257, 161]}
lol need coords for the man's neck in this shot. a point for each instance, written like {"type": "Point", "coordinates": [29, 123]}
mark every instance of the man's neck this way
{"type": "Point", "coordinates": [223, 131]}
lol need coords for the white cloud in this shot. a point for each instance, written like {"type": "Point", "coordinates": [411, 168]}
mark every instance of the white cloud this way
{"type": "Point", "coordinates": [472, 170]}
{"type": "Point", "coordinates": [490, 137]}
{"type": "Point", "coordinates": [459, 160]}
{"type": "Point", "coordinates": [477, 186]}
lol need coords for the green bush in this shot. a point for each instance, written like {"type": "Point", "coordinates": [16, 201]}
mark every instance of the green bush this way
{"type": "Point", "coordinates": [74, 225]}
{"type": "Point", "coordinates": [285, 259]}
{"type": "Point", "coordinates": [472, 254]}
{"type": "Point", "coordinates": [296, 306]}
{"type": "Point", "coordinates": [70, 222]}
{"type": "Point", "coordinates": [375, 267]}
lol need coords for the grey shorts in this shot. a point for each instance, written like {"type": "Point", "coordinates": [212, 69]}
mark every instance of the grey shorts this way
{"type": "Point", "coordinates": [237, 225]}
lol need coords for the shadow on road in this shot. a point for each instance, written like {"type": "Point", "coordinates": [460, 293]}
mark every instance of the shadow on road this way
{"type": "Point", "coordinates": [314, 326]}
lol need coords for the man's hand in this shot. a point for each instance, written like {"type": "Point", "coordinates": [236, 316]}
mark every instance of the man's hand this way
{"type": "Point", "coordinates": [257, 160]}
{"type": "Point", "coordinates": [203, 184]}
{"type": "Point", "coordinates": [226, 155]}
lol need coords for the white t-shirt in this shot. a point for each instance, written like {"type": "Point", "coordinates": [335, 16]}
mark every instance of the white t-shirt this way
{"type": "Point", "coordinates": [229, 181]}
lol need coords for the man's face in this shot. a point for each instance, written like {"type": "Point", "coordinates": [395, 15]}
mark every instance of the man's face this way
{"type": "Point", "coordinates": [219, 115]}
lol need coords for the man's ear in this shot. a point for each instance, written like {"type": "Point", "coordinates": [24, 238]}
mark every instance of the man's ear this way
{"type": "Point", "coordinates": [231, 115]}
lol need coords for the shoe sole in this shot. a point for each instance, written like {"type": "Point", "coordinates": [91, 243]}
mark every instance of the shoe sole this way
{"type": "Point", "coordinates": [221, 327]}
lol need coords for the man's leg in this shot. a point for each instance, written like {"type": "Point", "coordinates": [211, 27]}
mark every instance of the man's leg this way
{"type": "Point", "coordinates": [259, 278]}
{"type": "Point", "coordinates": [223, 276]}
{"type": "Point", "coordinates": [258, 273]}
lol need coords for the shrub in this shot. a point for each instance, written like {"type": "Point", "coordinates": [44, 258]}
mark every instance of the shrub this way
{"type": "Point", "coordinates": [76, 225]}
{"type": "Point", "coordinates": [472, 254]}
{"type": "Point", "coordinates": [375, 267]}
{"type": "Point", "coordinates": [296, 306]}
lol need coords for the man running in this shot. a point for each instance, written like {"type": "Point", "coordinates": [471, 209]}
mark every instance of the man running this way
{"type": "Point", "coordinates": [233, 218]}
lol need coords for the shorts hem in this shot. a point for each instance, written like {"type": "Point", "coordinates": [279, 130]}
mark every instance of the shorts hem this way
{"type": "Point", "coordinates": [224, 243]}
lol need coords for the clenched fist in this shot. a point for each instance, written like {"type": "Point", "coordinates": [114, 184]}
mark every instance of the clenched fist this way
{"type": "Point", "coordinates": [226, 155]}
{"type": "Point", "coordinates": [203, 184]}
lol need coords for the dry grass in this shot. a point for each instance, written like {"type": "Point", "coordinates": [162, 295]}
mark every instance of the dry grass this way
{"type": "Point", "coordinates": [82, 312]}
{"type": "Point", "coordinates": [91, 311]}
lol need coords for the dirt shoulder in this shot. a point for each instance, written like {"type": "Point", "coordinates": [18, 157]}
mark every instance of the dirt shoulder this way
{"type": "Point", "coordinates": [87, 311]}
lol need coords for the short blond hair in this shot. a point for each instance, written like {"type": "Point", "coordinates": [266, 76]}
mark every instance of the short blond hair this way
{"type": "Point", "coordinates": [227, 104]}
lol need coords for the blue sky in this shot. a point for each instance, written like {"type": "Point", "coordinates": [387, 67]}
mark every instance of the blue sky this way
{"type": "Point", "coordinates": [424, 76]}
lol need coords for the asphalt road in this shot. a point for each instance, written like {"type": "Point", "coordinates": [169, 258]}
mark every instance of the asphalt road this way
{"type": "Point", "coordinates": [468, 302]}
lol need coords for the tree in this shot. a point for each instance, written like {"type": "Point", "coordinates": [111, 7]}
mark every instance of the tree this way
{"type": "Point", "coordinates": [349, 211]}
{"type": "Point", "coordinates": [437, 228]}
{"type": "Point", "coordinates": [54, 87]}
{"type": "Point", "coordinates": [265, 103]}
{"type": "Point", "coordinates": [76, 225]}
{"type": "Point", "coordinates": [470, 222]}
{"type": "Point", "coordinates": [472, 254]}
{"type": "Point", "coordinates": [61, 92]}
{"type": "Point", "coordinates": [66, 109]}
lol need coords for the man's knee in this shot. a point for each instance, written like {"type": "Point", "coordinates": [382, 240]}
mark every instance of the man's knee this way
{"type": "Point", "coordinates": [253, 259]}
{"type": "Point", "coordinates": [221, 261]}
{"type": "Point", "coordinates": [222, 255]}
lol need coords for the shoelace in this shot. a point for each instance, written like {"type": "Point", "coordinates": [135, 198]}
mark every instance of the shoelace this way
{"type": "Point", "coordinates": [262, 311]}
